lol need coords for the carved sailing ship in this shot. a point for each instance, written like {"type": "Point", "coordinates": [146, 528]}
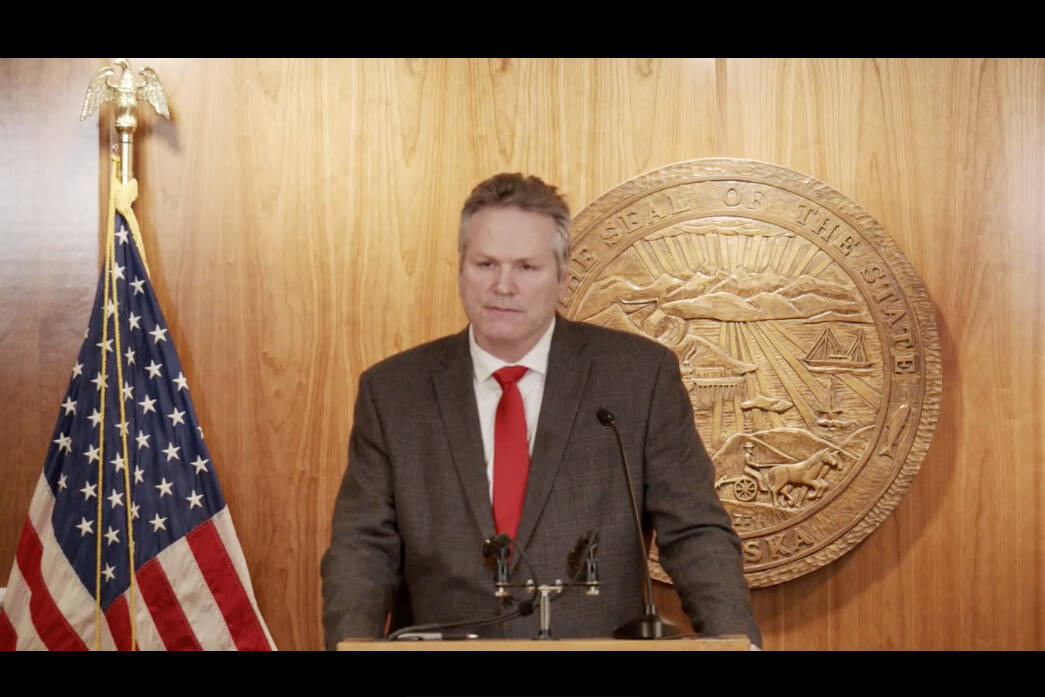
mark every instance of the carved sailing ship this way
{"type": "Point", "coordinates": [827, 354]}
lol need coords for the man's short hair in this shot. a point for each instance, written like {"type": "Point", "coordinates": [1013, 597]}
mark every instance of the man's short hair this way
{"type": "Point", "coordinates": [528, 193]}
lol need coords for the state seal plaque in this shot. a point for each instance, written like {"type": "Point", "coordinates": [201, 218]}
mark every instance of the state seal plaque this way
{"type": "Point", "coordinates": [806, 341]}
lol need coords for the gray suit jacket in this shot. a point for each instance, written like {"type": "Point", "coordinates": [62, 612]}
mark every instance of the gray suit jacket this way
{"type": "Point", "coordinates": [414, 507]}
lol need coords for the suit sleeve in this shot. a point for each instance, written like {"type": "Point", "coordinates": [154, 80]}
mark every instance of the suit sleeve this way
{"type": "Point", "coordinates": [698, 546]}
{"type": "Point", "coordinates": [361, 569]}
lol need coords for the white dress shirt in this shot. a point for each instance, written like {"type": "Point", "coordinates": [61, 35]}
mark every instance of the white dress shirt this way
{"type": "Point", "coordinates": [488, 390]}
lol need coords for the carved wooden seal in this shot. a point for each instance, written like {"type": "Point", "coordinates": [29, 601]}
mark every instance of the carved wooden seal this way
{"type": "Point", "coordinates": [806, 340]}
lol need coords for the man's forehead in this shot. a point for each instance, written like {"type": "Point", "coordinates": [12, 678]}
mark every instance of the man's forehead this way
{"type": "Point", "coordinates": [515, 246]}
{"type": "Point", "coordinates": [520, 235]}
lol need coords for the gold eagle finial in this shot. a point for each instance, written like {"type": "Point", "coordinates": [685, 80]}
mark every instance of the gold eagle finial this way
{"type": "Point", "coordinates": [107, 85]}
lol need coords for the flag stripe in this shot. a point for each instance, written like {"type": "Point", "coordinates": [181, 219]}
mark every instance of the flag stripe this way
{"type": "Point", "coordinates": [144, 628]}
{"type": "Point", "coordinates": [52, 626]}
{"type": "Point", "coordinates": [16, 609]}
{"type": "Point", "coordinates": [8, 635]}
{"type": "Point", "coordinates": [166, 612]}
{"type": "Point", "coordinates": [71, 597]}
{"type": "Point", "coordinates": [60, 583]}
{"type": "Point", "coordinates": [199, 605]}
{"type": "Point", "coordinates": [119, 619]}
{"type": "Point", "coordinates": [225, 586]}
{"type": "Point", "coordinates": [42, 504]}
{"type": "Point", "coordinates": [226, 532]}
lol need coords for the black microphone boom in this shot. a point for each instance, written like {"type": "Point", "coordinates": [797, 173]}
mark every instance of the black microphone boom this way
{"type": "Point", "coordinates": [650, 625]}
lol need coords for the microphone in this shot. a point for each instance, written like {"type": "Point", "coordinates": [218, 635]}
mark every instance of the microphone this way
{"type": "Point", "coordinates": [495, 556]}
{"type": "Point", "coordinates": [650, 625]}
{"type": "Point", "coordinates": [584, 553]}
{"type": "Point", "coordinates": [496, 551]}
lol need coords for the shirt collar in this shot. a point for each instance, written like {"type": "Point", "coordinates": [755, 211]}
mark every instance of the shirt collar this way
{"type": "Point", "coordinates": [485, 364]}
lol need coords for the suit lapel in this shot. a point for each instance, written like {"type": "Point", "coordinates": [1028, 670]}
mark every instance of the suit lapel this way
{"type": "Point", "coordinates": [456, 397]}
{"type": "Point", "coordinates": [564, 386]}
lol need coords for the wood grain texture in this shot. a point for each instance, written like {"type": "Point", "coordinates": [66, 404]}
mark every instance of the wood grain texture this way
{"type": "Point", "coordinates": [300, 221]}
{"type": "Point", "coordinates": [48, 265]}
{"type": "Point", "coordinates": [946, 154]}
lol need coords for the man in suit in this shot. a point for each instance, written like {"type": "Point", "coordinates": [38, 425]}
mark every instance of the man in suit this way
{"type": "Point", "coordinates": [494, 430]}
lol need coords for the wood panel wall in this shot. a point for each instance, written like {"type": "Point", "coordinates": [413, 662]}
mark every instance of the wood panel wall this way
{"type": "Point", "coordinates": [300, 221]}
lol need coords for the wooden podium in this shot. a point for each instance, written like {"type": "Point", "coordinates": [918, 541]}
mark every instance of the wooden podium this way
{"type": "Point", "coordinates": [737, 642]}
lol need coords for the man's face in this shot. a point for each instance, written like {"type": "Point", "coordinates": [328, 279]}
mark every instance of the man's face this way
{"type": "Point", "coordinates": [509, 282]}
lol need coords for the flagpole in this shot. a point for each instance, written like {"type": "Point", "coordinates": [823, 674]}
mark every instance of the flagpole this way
{"type": "Point", "coordinates": [126, 92]}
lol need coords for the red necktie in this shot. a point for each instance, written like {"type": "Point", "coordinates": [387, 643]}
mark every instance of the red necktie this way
{"type": "Point", "coordinates": [511, 452]}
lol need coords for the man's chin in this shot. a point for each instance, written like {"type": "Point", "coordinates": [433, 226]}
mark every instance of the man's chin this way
{"type": "Point", "coordinates": [501, 342]}
{"type": "Point", "coordinates": [501, 338]}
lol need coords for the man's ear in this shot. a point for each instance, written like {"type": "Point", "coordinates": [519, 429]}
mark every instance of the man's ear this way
{"type": "Point", "coordinates": [564, 284]}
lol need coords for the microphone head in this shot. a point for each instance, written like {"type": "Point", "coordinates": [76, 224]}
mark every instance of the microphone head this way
{"type": "Point", "coordinates": [493, 547]}
{"type": "Point", "coordinates": [579, 551]}
{"type": "Point", "coordinates": [605, 416]}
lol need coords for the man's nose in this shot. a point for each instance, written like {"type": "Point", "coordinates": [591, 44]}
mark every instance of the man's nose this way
{"type": "Point", "coordinates": [505, 282]}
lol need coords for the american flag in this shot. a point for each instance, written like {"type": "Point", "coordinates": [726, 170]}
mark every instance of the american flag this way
{"type": "Point", "coordinates": [71, 585]}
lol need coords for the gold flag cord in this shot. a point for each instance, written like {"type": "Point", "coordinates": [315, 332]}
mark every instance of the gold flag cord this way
{"type": "Point", "coordinates": [116, 192]}
{"type": "Point", "coordinates": [111, 255]}
{"type": "Point", "coordinates": [123, 195]}
{"type": "Point", "coordinates": [107, 269]}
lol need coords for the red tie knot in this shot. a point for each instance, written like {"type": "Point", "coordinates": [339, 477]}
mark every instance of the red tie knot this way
{"type": "Point", "coordinates": [509, 375]}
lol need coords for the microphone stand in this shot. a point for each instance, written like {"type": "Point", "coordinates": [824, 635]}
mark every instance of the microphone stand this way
{"type": "Point", "coordinates": [650, 625]}
{"type": "Point", "coordinates": [495, 553]}
{"type": "Point", "coordinates": [580, 560]}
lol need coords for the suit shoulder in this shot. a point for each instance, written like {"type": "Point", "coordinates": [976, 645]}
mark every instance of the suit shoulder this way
{"type": "Point", "coordinates": [416, 360]}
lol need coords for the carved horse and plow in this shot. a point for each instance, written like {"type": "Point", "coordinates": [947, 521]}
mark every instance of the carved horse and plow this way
{"type": "Point", "coordinates": [788, 483]}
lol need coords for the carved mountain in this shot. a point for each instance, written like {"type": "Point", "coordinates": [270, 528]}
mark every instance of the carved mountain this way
{"type": "Point", "coordinates": [698, 352]}
{"type": "Point", "coordinates": [807, 284]}
{"type": "Point", "coordinates": [774, 306]}
{"type": "Point", "coordinates": [617, 288]}
{"type": "Point", "coordinates": [810, 304]}
{"type": "Point", "coordinates": [722, 306]}
{"type": "Point", "coordinates": [764, 306]}
{"type": "Point", "coordinates": [694, 351]}
{"type": "Point", "coordinates": [614, 317]}
{"type": "Point", "coordinates": [697, 285]}
{"type": "Point", "coordinates": [744, 284]}
{"type": "Point", "coordinates": [739, 296]}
